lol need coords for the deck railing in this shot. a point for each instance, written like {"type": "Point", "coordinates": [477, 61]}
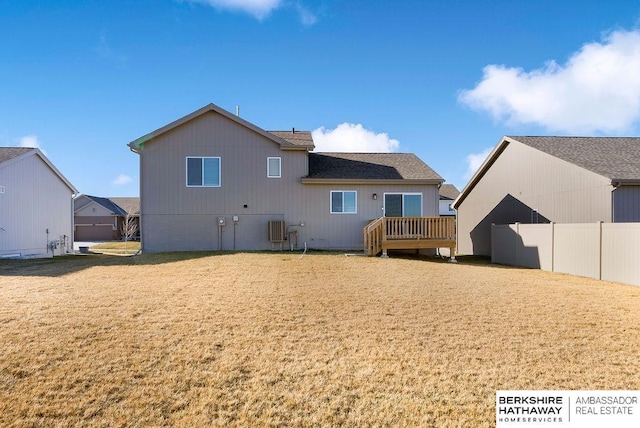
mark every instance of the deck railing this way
{"type": "Point", "coordinates": [427, 230]}
{"type": "Point", "coordinates": [373, 236]}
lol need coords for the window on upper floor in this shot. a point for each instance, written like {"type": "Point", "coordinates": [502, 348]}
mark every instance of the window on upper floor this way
{"type": "Point", "coordinates": [274, 167]}
{"type": "Point", "coordinates": [203, 171]}
{"type": "Point", "coordinates": [343, 202]}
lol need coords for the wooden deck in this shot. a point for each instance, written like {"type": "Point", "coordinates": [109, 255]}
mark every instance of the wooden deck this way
{"type": "Point", "coordinates": [403, 233]}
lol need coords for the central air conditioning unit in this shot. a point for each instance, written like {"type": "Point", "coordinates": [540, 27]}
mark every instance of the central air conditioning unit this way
{"type": "Point", "coordinates": [276, 231]}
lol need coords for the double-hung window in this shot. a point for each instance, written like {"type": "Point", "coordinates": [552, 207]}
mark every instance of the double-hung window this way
{"type": "Point", "coordinates": [274, 167]}
{"type": "Point", "coordinates": [203, 171]}
{"type": "Point", "coordinates": [343, 202]}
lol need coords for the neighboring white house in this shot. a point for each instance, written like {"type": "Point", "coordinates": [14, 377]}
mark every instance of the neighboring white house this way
{"type": "Point", "coordinates": [36, 205]}
{"type": "Point", "coordinates": [448, 193]}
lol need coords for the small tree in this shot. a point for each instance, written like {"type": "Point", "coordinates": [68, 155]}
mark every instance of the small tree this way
{"type": "Point", "coordinates": [129, 228]}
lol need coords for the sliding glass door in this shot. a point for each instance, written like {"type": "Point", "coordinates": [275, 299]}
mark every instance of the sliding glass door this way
{"type": "Point", "coordinates": [403, 204]}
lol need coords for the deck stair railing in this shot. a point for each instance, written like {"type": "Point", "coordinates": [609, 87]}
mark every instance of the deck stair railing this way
{"type": "Point", "coordinates": [373, 237]}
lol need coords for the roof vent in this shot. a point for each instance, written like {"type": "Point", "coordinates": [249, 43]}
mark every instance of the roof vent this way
{"type": "Point", "coordinates": [293, 130]}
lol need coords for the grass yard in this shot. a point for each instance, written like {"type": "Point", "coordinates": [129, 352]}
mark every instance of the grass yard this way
{"type": "Point", "coordinates": [116, 247]}
{"type": "Point", "coordinates": [278, 340]}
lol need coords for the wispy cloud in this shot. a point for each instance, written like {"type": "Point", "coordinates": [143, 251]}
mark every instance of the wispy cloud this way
{"type": "Point", "coordinates": [104, 49]}
{"type": "Point", "coordinates": [31, 141]}
{"type": "Point", "coordinates": [260, 9]}
{"type": "Point", "coordinates": [349, 137]}
{"type": "Point", "coordinates": [474, 161]}
{"type": "Point", "coordinates": [596, 91]}
{"type": "Point", "coordinates": [307, 17]}
{"type": "Point", "coordinates": [122, 179]}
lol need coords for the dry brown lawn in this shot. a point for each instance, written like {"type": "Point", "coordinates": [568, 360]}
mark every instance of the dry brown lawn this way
{"type": "Point", "coordinates": [278, 340]}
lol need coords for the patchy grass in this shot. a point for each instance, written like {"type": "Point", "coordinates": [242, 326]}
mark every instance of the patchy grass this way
{"type": "Point", "coordinates": [116, 247]}
{"type": "Point", "coordinates": [278, 340]}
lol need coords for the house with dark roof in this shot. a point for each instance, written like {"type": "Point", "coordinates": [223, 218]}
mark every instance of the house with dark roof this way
{"type": "Point", "coordinates": [549, 179]}
{"type": "Point", "coordinates": [102, 219]}
{"type": "Point", "coordinates": [448, 193]}
{"type": "Point", "coordinates": [36, 205]}
{"type": "Point", "coordinates": [214, 181]}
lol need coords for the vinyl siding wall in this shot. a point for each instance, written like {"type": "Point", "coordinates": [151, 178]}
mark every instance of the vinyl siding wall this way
{"type": "Point", "coordinates": [345, 231]}
{"type": "Point", "coordinates": [180, 218]}
{"type": "Point", "coordinates": [35, 199]}
{"type": "Point", "coordinates": [626, 204]}
{"type": "Point", "coordinates": [522, 179]}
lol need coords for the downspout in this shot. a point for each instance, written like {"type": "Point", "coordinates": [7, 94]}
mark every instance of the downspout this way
{"type": "Point", "coordinates": [73, 225]}
{"type": "Point", "coordinates": [613, 202]}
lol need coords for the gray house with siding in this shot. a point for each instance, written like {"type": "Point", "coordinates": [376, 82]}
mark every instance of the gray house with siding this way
{"type": "Point", "coordinates": [214, 181]}
{"type": "Point", "coordinates": [549, 179]}
{"type": "Point", "coordinates": [36, 205]}
{"type": "Point", "coordinates": [101, 219]}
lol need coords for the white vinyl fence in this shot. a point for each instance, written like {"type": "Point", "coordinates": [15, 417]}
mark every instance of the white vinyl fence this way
{"type": "Point", "coordinates": [606, 251]}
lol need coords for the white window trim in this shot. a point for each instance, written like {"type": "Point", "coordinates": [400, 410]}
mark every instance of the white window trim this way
{"type": "Point", "coordinates": [186, 171]}
{"type": "Point", "coordinates": [403, 194]}
{"type": "Point", "coordinates": [279, 167]}
{"type": "Point", "coordinates": [342, 191]}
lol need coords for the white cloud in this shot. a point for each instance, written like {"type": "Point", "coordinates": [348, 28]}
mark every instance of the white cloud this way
{"type": "Point", "coordinates": [307, 17]}
{"type": "Point", "coordinates": [349, 137]}
{"type": "Point", "coordinates": [32, 142]}
{"type": "Point", "coordinates": [474, 161]}
{"type": "Point", "coordinates": [122, 179]}
{"type": "Point", "coordinates": [258, 8]}
{"type": "Point", "coordinates": [597, 90]}
{"type": "Point", "coordinates": [29, 141]}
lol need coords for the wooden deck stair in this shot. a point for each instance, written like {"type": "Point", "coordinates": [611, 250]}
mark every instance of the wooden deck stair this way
{"type": "Point", "coordinates": [400, 233]}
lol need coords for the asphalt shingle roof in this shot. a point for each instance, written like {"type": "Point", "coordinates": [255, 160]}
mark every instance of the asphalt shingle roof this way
{"type": "Point", "coordinates": [128, 204]}
{"type": "Point", "coordinates": [107, 203]}
{"type": "Point", "coordinates": [611, 157]}
{"type": "Point", "coordinates": [370, 166]}
{"type": "Point", "coordinates": [448, 191]}
{"type": "Point", "coordinates": [298, 138]}
{"type": "Point", "coordinates": [7, 153]}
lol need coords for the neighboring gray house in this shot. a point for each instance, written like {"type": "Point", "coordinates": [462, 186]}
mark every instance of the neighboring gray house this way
{"type": "Point", "coordinates": [36, 205]}
{"type": "Point", "coordinates": [101, 219]}
{"type": "Point", "coordinates": [448, 193]}
{"type": "Point", "coordinates": [544, 179]}
{"type": "Point", "coordinates": [211, 180]}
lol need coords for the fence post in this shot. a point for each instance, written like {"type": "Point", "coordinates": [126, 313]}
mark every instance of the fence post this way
{"type": "Point", "coordinates": [517, 246]}
{"type": "Point", "coordinates": [553, 246]}
{"type": "Point", "coordinates": [600, 250]}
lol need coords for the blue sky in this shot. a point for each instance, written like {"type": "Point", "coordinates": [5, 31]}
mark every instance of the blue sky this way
{"type": "Point", "coordinates": [442, 79]}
